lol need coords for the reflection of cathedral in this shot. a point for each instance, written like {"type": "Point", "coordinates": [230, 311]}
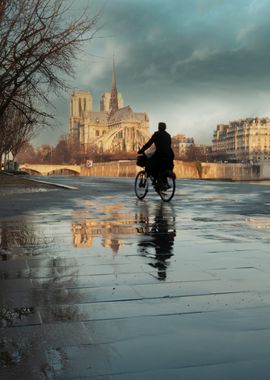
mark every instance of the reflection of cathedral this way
{"type": "Point", "coordinates": [112, 129]}
{"type": "Point", "coordinates": [84, 233]}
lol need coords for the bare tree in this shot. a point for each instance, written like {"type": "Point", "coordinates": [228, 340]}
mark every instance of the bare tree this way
{"type": "Point", "coordinates": [38, 43]}
{"type": "Point", "coordinates": [16, 130]}
{"type": "Point", "coordinates": [77, 154]}
{"type": "Point", "coordinates": [27, 154]}
{"type": "Point", "coordinates": [44, 154]}
{"type": "Point", "coordinates": [198, 153]}
{"type": "Point", "coordinates": [61, 152]}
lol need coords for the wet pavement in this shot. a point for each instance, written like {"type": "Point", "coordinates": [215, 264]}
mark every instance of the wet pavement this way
{"type": "Point", "coordinates": [98, 285]}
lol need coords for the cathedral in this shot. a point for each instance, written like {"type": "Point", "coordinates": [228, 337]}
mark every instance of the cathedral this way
{"type": "Point", "coordinates": [114, 128]}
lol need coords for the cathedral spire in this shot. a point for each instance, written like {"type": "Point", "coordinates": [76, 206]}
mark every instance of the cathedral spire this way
{"type": "Point", "coordinates": [114, 94]}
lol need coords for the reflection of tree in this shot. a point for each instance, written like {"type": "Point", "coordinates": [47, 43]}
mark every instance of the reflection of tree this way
{"type": "Point", "coordinates": [159, 236]}
{"type": "Point", "coordinates": [22, 235]}
{"type": "Point", "coordinates": [56, 289]}
{"type": "Point", "coordinates": [52, 280]}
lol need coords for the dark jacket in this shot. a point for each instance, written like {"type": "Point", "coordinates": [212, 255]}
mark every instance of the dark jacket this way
{"type": "Point", "coordinates": [162, 141]}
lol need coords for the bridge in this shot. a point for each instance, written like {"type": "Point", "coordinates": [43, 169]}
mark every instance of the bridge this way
{"type": "Point", "coordinates": [51, 169]}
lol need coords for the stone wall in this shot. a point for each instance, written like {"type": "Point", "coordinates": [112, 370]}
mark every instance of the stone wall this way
{"type": "Point", "coordinates": [184, 169]}
{"type": "Point", "coordinates": [265, 171]}
{"type": "Point", "coordinates": [111, 169]}
{"type": "Point", "coordinates": [129, 169]}
{"type": "Point", "coordinates": [218, 171]}
{"type": "Point", "coordinates": [234, 172]}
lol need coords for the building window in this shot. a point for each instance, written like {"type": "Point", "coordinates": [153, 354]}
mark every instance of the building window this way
{"type": "Point", "coordinates": [97, 133]}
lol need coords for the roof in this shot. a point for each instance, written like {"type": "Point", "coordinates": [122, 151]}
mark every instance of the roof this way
{"type": "Point", "coordinates": [98, 117]}
{"type": "Point", "coordinates": [126, 113]}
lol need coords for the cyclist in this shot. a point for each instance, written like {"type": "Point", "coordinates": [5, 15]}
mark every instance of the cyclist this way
{"type": "Point", "coordinates": [162, 159]}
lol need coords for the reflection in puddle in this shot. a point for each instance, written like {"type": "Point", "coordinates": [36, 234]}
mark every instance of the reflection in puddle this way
{"type": "Point", "coordinates": [63, 313]}
{"type": "Point", "coordinates": [159, 232]}
{"type": "Point", "coordinates": [84, 233]}
{"type": "Point", "coordinates": [23, 235]}
{"type": "Point", "coordinates": [155, 227]}
{"type": "Point", "coordinates": [116, 223]}
{"type": "Point", "coordinates": [261, 222]}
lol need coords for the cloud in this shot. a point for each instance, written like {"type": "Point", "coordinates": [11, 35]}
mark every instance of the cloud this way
{"type": "Point", "coordinates": [244, 32]}
{"type": "Point", "coordinates": [195, 63]}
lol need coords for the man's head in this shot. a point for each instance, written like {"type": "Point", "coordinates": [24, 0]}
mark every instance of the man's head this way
{"type": "Point", "coordinates": [161, 126]}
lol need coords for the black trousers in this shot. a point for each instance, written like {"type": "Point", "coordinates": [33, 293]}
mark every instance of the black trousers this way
{"type": "Point", "coordinates": [158, 164]}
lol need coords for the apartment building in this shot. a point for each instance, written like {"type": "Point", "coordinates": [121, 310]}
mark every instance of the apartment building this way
{"type": "Point", "coordinates": [180, 144]}
{"type": "Point", "coordinates": [245, 140]}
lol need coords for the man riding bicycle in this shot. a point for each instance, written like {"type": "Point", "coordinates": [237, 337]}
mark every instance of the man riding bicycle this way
{"type": "Point", "coordinates": [162, 159]}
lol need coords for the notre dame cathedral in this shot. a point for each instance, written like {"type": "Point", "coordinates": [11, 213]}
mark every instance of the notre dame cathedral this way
{"type": "Point", "coordinates": [114, 128]}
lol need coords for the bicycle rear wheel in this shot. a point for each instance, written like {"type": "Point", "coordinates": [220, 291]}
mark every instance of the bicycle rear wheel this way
{"type": "Point", "coordinates": [141, 184]}
{"type": "Point", "coordinates": [167, 193]}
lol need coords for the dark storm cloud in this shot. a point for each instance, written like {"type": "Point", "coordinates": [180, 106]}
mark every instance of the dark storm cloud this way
{"type": "Point", "coordinates": [181, 41]}
{"type": "Point", "coordinates": [193, 63]}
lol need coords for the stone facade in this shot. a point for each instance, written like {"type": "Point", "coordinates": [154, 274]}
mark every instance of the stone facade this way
{"type": "Point", "coordinates": [181, 143]}
{"type": "Point", "coordinates": [106, 100]}
{"type": "Point", "coordinates": [114, 128]}
{"type": "Point", "coordinates": [245, 140]}
{"type": "Point", "coordinates": [80, 103]}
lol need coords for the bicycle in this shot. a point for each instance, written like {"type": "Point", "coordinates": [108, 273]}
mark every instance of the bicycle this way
{"type": "Point", "coordinates": [164, 185]}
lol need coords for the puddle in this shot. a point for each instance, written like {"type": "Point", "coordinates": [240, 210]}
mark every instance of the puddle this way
{"type": "Point", "coordinates": [116, 223]}
{"type": "Point", "coordinates": [262, 223]}
{"type": "Point", "coordinates": [21, 234]}
{"type": "Point", "coordinates": [157, 235]}
{"type": "Point", "coordinates": [62, 313]}
{"type": "Point", "coordinates": [85, 232]}
{"type": "Point", "coordinates": [155, 226]}
{"type": "Point", "coordinates": [8, 191]}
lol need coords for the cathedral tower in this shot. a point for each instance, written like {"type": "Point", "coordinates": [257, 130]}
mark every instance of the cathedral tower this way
{"type": "Point", "coordinates": [114, 95]}
{"type": "Point", "coordinates": [105, 101]}
{"type": "Point", "coordinates": [80, 105]}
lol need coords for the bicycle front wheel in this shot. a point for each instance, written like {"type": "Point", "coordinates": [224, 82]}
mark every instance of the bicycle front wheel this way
{"type": "Point", "coordinates": [167, 193]}
{"type": "Point", "coordinates": [141, 184]}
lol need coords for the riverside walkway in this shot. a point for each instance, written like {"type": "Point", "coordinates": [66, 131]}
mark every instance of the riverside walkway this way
{"type": "Point", "coordinates": [98, 285]}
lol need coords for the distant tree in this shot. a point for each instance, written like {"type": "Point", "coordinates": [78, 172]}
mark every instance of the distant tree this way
{"type": "Point", "coordinates": [77, 155]}
{"type": "Point", "coordinates": [44, 154]}
{"type": "Point", "coordinates": [198, 153]}
{"type": "Point", "coordinates": [26, 154]}
{"type": "Point", "coordinates": [38, 43]}
{"type": "Point", "coordinates": [61, 153]}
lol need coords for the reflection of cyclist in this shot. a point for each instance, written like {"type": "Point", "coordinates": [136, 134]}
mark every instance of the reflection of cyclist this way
{"type": "Point", "coordinates": [162, 231]}
{"type": "Point", "coordinates": [162, 159]}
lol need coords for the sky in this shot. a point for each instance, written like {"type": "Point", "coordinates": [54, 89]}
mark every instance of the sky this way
{"type": "Point", "coordinates": [190, 63]}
